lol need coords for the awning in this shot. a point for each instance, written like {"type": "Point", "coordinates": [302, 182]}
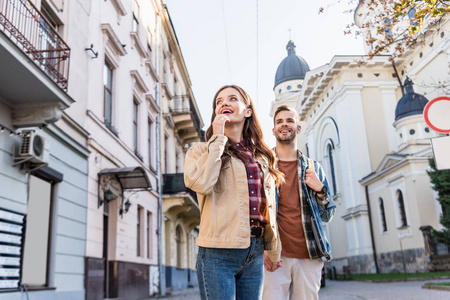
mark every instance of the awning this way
{"type": "Point", "coordinates": [130, 178]}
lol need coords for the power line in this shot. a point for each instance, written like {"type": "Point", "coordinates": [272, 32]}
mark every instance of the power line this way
{"type": "Point", "coordinates": [226, 42]}
{"type": "Point", "coordinates": [257, 58]}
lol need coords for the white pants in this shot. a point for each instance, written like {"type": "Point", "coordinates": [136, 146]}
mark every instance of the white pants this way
{"type": "Point", "coordinates": [298, 279]}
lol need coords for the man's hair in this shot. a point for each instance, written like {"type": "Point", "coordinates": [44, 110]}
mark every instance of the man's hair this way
{"type": "Point", "coordinates": [286, 108]}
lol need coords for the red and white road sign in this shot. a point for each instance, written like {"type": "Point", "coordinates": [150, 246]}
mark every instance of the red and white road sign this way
{"type": "Point", "coordinates": [437, 114]}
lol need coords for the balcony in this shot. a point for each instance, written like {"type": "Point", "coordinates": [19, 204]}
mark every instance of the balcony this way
{"type": "Point", "coordinates": [187, 120]}
{"type": "Point", "coordinates": [179, 201]}
{"type": "Point", "coordinates": [174, 184]}
{"type": "Point", "coordinates": [34, 65]}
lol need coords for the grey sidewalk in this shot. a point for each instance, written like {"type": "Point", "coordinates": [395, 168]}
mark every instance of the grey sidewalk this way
{"type": "Point", "coordinates": [355, 290]}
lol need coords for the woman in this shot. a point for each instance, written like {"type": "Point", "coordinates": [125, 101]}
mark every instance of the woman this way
{"type": "Point", "coordinates": [234, 176]}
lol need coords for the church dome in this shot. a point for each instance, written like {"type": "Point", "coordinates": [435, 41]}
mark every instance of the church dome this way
{"type": "Point", "coordinates": [411, 103]}
{"type": "Point", "coordinates": [292, 67]}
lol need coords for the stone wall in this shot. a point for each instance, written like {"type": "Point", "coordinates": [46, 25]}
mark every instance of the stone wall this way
{"type": "Point", "coordinates": [409, 261]}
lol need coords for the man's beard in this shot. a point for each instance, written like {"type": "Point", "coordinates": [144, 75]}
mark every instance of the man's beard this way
{"type": "Point", "coordinates": [286, 139]}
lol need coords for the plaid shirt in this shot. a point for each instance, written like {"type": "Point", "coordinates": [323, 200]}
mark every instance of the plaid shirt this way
{"type": "Point", "coordinates": [323, 210]}
{"type": "Point", "coordinates": [255, 180]}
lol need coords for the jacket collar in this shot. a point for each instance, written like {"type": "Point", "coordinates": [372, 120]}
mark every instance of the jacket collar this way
{"type": "Point", "coordinates": [299, 154]}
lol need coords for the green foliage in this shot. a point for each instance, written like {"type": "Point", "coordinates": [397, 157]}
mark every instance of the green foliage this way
{"type": "Point", "coordinates": [441, 184]}
{"type": "Point", "coordinates": [389, 19]}
{"type": "Point", "coordinates": [438, 283]}
{"type": "Point", "coordinates": [399, 276]}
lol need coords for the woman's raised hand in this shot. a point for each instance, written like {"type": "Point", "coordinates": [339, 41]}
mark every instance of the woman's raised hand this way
{"type": "Point", "coordinates": [218, 124]}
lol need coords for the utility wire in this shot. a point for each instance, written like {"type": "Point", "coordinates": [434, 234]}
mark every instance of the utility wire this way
{"type": "Point", "coordinates": [226, 42]}
{"type": "Point", "coordinates": [257, 58]}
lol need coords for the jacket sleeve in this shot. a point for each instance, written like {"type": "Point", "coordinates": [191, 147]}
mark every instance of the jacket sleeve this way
{"type": "Point", "coordinates": [327, 208]}
{"type": "Point", "coordinates": [274, 254]}
{"type": "Point", "coordinates": [202, 164]}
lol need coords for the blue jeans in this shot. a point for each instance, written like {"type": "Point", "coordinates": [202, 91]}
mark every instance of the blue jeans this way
{"type": "Point", "coordinates": [226, 274]}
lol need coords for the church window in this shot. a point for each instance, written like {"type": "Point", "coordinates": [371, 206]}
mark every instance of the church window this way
{"type": "Point", "coordinates": [412, 131]}
{"type": "Point", "coordinates": [279, 91]}
{"type": "Point", "coordinates": [427, 130]}
{"type": "Point", "coordinates": [178, 239]}
{"type": "Point", "coordinates": [289, 87]}
{"type": "Point", "coordinates": [330, 149]}
{"type": "Point", "coordinates": [402, 210]}
{"type": "Point", "coordinates": [382, 215]}
{"type": "Point", "coordinates": [299, 86]}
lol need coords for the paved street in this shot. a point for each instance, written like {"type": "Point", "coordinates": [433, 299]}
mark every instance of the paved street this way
{"type": "Point", "coordinates": [352, 290]}
{"type": "Point", "coordinates": [358, 290]}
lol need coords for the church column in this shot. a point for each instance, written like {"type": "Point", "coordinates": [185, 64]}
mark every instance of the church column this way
{"type": "Point", "coordinates": [355, 164]}
{"type": "Point", "coordinates": [389, 100]}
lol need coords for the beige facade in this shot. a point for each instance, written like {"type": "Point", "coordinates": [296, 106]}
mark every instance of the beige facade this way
{"type": "Point", "coordinates": [117, 106]}
{"type": "Point", "coordinates": [376, 164]}
{"type": "Point", "coordinates": [181, 125]}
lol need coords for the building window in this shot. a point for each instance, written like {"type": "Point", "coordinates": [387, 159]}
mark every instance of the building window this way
{"type": "Point", "coordinates": [107, 83]}
{"type": "Point", "coordinates": [135, 24]}
{"type": "Point", "coordinates": [332, 170]}
{"type": "Point", "coordinates": [149, 235]}
{"type": "Point", "coordinates": [179, 247]}
{"type": "Point", "coordinates": [149, 143]}
{"type": "Point", "coordinates": [164, 63]}
{"type": "Point", "coordinates": [382, 215]}
{"type": "Point", "coordinates": [138, 231]}
{"type": "Point", "coordinates": [48, 39]}
{"type": "Point", "coordinates": [402, 210]}
{"type": "Point", "coordinates": [166, 154]}
{"type": "Point", "coordinates": [135, 125]}
{"type": "Point", "coordinates": [149, 51]}
{"type": "Point", "coordinates": [177, 161]}
{"type": "Point", "coordinates": [37, 235]}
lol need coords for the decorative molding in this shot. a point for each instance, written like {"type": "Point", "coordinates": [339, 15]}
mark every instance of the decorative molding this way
{"type": "Point", "coordinates": [136, 42]}
{"type": "Point", "coordinates": [139, 82]}
{"type": "Point", "coordinates": [112, 40]}
{"type": "Point", "coordinates": [151, 67]}
{"type": "Point", "coordinates": [167, 90]}
{"type": "Point", "coordinates": [120, 8]}
{"type": "Point", "coordinates": [152, 103]}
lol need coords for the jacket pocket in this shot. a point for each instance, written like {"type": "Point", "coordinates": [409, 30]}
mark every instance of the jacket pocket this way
{"type": "Point", "coordinates": [222, 181]}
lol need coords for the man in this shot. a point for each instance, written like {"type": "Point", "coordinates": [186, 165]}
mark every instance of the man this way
{"type": "Point", "coordinates": [304, 202]}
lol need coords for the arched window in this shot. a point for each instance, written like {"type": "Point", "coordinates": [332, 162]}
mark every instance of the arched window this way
{"type": "Point", "coordinates": [179, 247]}
{"type": "Point", "coordinates": [402, 210]}
{"type": "Point", "coordinates": [382, 215]}
{"type": "Point", "coordinates": [330, 149]}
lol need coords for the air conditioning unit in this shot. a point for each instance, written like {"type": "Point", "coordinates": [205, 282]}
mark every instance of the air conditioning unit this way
{"type": "Point", "coordinates": [32, 147]}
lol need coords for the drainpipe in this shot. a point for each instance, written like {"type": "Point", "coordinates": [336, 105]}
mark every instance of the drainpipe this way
{"type": "Point", "coordinates": [162, 274]}
{"type": "Point", "coordinates": [371, 231]}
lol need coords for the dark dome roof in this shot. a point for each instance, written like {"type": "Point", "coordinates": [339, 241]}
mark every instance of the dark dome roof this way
{"type": "Point", "coordinates": [411, 103]}
{"type": "Point", "coordinates": [292, 67]}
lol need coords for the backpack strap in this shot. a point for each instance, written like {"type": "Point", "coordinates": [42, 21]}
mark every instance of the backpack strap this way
{"type": "Point", "coordinates": [311, 164]}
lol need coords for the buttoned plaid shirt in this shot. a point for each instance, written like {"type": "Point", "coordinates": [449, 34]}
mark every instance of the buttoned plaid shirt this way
{"type": "Point", "coordinates": [255, 180]}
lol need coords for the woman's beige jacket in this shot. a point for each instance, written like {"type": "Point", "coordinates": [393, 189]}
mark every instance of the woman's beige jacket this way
{"type": "Point", "coordinates": [222, 193]}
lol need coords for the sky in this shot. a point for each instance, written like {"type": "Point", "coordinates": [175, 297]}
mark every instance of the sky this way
{"type": "Point", "coordinates": [243, 41]}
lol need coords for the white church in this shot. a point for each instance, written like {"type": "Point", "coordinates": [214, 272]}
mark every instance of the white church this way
{"type": "Point", "coordinates": [364, 123]}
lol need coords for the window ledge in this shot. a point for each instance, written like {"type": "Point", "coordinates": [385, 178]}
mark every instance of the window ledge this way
{"type": "Point", "coordinates": [40, 288]}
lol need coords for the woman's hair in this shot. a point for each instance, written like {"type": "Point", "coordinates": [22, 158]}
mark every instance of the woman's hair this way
{"type": "Point", "coordinates": [252, 134]}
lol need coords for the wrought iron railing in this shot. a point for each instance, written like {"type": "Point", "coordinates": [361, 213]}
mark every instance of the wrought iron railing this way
{"type": "Point", "coordinates": [174, 183]}
{"type": "Point", "coordinates": [186, 110]}
{"type": "Point", "coordinates": [24, 24]}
